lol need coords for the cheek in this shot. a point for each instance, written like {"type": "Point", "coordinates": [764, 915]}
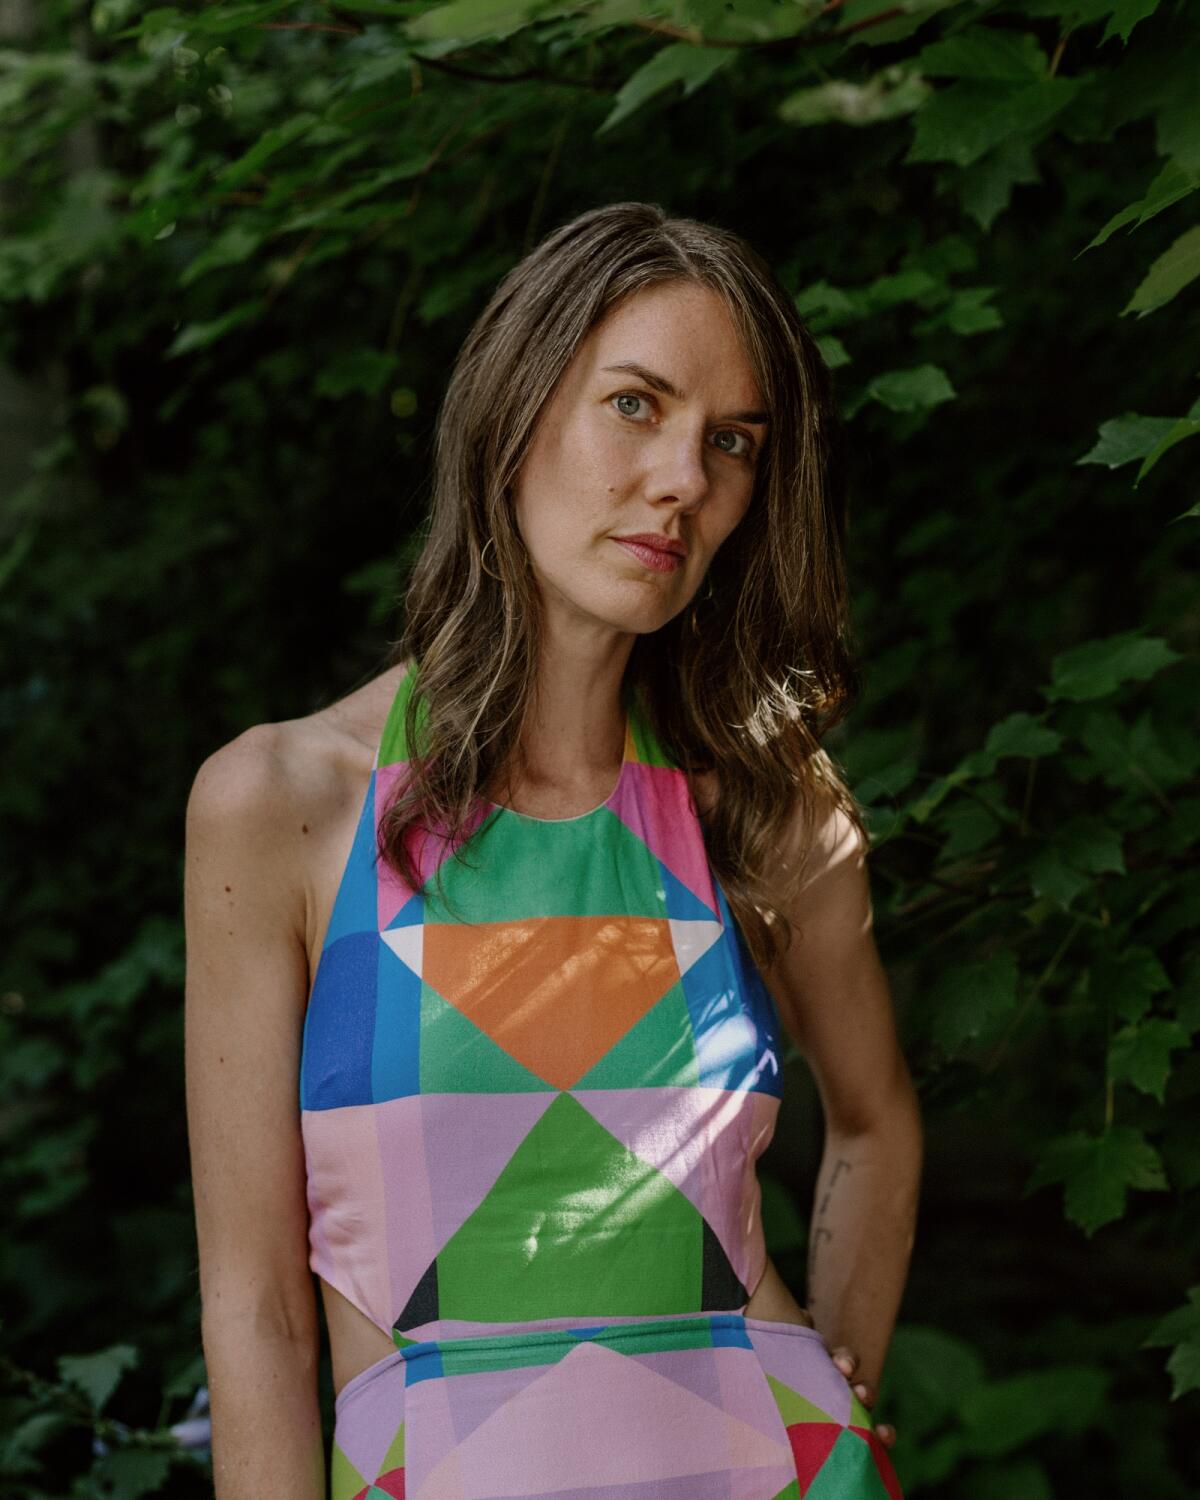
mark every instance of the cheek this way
{"type": "Point", "coordinates": [598, 459]}
{"type": "Point", "coordinates": [728, 517]}
{"type": "Point", "coordinates": [574, 482]}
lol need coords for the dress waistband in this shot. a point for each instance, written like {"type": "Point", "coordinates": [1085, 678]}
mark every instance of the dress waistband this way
{"type": "Point", "coordinates": [536, 1344]}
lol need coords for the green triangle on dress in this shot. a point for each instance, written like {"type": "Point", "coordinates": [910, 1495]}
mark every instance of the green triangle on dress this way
{"type": "Point", "coordinates": [344, 1479]}
{"type": "Point", "coordinates": [793, 1407]}
{"type": "Point", "coordinates": [789, 1491]}
{"type": "Point", "coordinates": [456, 1057]}
{"type": "Point", "coordinates": [659, 1051]}
{"type": "Point", "coordinates": [393, 746]}
{"type": "Point", "coordinates": [649, 751]}
{"type": "Point", "coordinates": [850, 1469]}
{"type": "Point", "coordinates": [520, 1256]}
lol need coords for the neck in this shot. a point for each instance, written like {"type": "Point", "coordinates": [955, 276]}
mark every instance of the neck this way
{"type": "Point", "coordinates": [575, 728]}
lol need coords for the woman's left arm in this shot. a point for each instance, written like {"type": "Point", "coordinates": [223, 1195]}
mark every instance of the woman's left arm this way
{"type": "Point", "coordinates": [835, 1003]}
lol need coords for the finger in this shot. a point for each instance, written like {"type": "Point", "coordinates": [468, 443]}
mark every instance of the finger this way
{"type": "Point", "coordinates": [865, 1394]}
{"type": "Point", "coordinates": [886, 1434]}
{"type": "Point", "coordinates": [845, 1359]}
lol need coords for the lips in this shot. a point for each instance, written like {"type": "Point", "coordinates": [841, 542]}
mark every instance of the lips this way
{"type": "Point", "coordinates": [656, 558]}
{"type": "Point", "coordinates": [656, 540]}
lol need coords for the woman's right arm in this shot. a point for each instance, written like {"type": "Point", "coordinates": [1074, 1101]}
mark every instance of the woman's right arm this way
{"type": "Point", "coordinates": [247, 984]}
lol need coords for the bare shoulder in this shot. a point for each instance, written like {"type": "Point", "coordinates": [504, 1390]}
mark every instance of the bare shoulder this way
{"type": "Point", "coordinates": [272, 794]}
{"type": "Point", "coordinates": [248, 780]}
{"type": "Point", "coordinates": [264, 772]}
{"type": "Point", "coordinates": [254, 793]}
{"type": "Point", "coordinates": [827, 842]}
{"type": "Point", "coordinates": [818, 837]}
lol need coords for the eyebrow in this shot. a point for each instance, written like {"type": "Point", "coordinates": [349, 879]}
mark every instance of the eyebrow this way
{"type": "Point", "coordinates": [661, 383]}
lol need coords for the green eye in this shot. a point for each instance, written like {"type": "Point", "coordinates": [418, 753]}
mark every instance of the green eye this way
{"type": "Point", "coordinates": [748, 453]}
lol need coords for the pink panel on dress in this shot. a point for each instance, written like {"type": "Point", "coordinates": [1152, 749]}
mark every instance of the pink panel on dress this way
{"type": "Point", "coordinates": [595, 1417]}
{"type": "Point", "coordinates": [699, 1138]}
{"type": "Point", "coordinates": [410, 1239]}
{"type": "Point", "coordinates": [469, 1140]}
{"type": "Point", "coordinates": [429, 849]}
{"type": "Point", "coordinates": [798, 1358]}
{"type": "Point", "coordinates": [348, 1205]}
{"type": "Point", "coordinates": [368, 1419]}
{"type": "Point", "coordinates": [655, 802]}
{"type": "Point", "coordinates": [430, 1441]}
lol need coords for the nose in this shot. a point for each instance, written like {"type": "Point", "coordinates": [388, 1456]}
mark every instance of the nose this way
{"type": "Point", "coordinates": [679, 473]}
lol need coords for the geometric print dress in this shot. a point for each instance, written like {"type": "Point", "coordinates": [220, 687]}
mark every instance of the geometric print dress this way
{"type": "Point", "coordinates": [532, 1105]}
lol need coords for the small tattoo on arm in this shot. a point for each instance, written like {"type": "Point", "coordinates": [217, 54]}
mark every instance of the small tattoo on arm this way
{"type": "Point", "coordinates": [819, 1230]}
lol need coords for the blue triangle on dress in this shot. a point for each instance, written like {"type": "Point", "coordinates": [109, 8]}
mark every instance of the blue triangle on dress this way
{"type": "Point", "coordinates": [395, 1054]}
{"type": "Point", "coordinates": [411, 914]}
{"type": "Point", "coordinates": [682, 905]}
{"type": "Point", "coordinates": [733, 1015]}
{"type": "Point", "coordinates": [354, 908]}
{"type": "Point", "coordinates": [339, 1024]}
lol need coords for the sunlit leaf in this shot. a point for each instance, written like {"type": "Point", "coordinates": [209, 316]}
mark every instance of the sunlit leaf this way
{"type": "Point", "coordinates": [893, 92]}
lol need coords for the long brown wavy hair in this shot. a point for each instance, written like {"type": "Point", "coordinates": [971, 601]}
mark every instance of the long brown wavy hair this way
{"type": "Point", "coordinates": [746, 682]}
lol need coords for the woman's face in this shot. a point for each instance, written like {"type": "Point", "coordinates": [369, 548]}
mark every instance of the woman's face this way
{"type": "Point", "coordinates": [669, 449]}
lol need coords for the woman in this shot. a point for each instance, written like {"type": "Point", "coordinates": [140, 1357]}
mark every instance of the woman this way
{"type": "Point", "coordinates": [502, 918]}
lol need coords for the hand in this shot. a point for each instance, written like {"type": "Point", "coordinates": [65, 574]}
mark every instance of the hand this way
{"type": "Point", "coordinates": [846, 1362]}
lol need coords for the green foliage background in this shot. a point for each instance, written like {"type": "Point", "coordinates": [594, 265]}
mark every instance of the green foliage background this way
{"type": "Point", "coordinates": [242, 243]}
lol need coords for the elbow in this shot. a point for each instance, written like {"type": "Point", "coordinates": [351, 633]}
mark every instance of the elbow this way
{"type": "Point", "coordinates": [236, 1311]}
{"type": "Point", "coordinates": [891, 1120]}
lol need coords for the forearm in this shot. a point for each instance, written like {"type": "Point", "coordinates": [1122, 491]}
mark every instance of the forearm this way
{"type": "Point", "coordinates": [266, 1420]}
{"type": "Point", "coordinates": [861, 1236]}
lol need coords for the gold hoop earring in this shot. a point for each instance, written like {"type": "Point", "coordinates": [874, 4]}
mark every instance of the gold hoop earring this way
{"type": "Point", "coordinates": [484, 565]}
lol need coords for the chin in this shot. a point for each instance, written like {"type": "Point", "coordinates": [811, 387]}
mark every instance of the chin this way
{"type": "Point", "coordinates": [628, 605]}
{"type": "Point", "coordinates": [639, 615]}
{"type": "Point", "coordinates": [647, 622]}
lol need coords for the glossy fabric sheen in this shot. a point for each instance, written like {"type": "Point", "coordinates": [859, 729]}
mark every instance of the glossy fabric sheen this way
{"type": "Point", "coordinates": [532, 1104]}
